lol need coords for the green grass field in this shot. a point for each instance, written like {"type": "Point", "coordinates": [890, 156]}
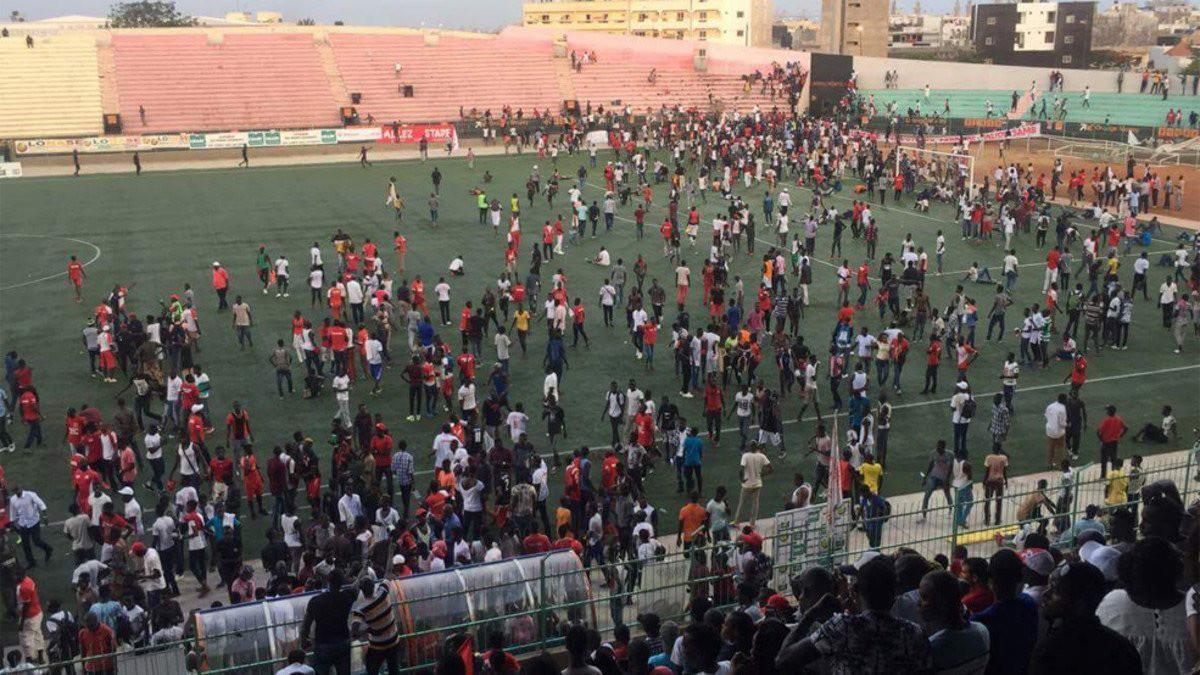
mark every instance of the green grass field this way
{"type": "Point", "coordinates": [162, 230]}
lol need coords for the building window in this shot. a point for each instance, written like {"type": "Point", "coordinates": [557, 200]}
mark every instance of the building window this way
{"type": "Point", "coordinates": [740, 33]}
{"type": "Point", "coordinates": [1050, 17]}
{"type": "Point", "coordinates": [641, 17]}
{"type": "Point", "coordinates": [1070, 18]}
{"type": "Point", "coordinates": [991, 21]}
{"type": "Point", "coordinates": [989, 41]}
{"type": "Point", "coordinates": [741, 14]}
{"type": "Point", "coordinates": [1066, 58]}
{"type": "Point", "coordinates": [1068, 39]}
{"type": "Point", "coordinates": [679, 16]}
{"type": "Point", "coordinates": [545, 18]}
{"type": "Point", "coordinates": [1049, 37]}
{"type": "Point", "coordinates": [703, 35]}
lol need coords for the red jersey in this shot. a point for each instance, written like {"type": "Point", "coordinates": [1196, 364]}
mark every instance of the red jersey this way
{"type": "Point", "coordinates": [221, 469]}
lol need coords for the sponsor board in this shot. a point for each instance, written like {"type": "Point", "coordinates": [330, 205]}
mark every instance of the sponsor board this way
{"type": "Point", "coordinates": [94, 144]}
{"type": "Point", "coordinates": [10, 169]}
{"type": "Point", "coordinates": [435, 134]}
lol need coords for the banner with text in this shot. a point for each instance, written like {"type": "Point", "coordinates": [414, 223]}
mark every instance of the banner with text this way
{"type": "Point", "coordinates": [91, 144]}
{"type": "Point", "coordinates": [435, 134]}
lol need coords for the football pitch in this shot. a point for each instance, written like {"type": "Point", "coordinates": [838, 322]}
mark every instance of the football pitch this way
{"type": "Point", "coordinates": [162, 230]}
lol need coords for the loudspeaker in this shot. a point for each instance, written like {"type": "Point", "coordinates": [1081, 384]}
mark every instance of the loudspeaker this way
{"type": "Point", "coordinates": [408, 91]}
{"type": "Point", "coordinates": [112, 123]}
{"type": "Point", "coordinates": [356, 97]}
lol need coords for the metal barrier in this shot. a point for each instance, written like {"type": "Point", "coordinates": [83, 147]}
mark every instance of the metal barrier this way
{"type": "Point", "coordinates": [533, 608]}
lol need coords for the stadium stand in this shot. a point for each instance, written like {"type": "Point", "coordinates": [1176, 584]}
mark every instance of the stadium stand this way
{"type": "Point", "coordinates": [199, 82]}
{"type": "Point", "coordinates": [963, 103]}
{"type": "Point", "coordinates": [445, 73]}
{"type": "Point", "coordinates": [1133, 109]}
{"type": "Point", "coordinates": [51, 89]}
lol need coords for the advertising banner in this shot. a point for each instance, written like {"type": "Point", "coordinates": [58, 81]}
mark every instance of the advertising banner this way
{"type": "Point", "coordinates": [93, 144]}
{"type": "Point", "coordinates": [436, 134]}
{"type": "Point", "coordinates": [10, 169]}
{"type": "Point", "coordinates": [358, 135]}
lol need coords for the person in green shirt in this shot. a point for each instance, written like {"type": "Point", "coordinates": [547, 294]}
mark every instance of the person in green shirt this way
{"type": "Point", "coordinates": [481, 200]}
{"type": "Point", "coordinates": [263, 264]}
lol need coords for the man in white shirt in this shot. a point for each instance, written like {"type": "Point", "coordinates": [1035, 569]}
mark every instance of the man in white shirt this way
{"type": "Point", "coordinates": [349, 508]}
{"type": "Point", "coordinates": [466, 399]}
{"type": "Point", "coordinates": [341, 391]}
{"type": "Point", "coordinates": [517, 422]}
{"type": "Point", "coordinates": [1056, 431]}
{"type": "Point", "coordinates": [374, 353]}
{"type": "Point", "coordinates": [755, 464]}
{"type": "Point", "coordinates": [26, 510]}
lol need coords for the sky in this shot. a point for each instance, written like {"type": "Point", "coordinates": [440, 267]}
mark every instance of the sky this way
{"type": "Point", "coordinates": [468, 14]}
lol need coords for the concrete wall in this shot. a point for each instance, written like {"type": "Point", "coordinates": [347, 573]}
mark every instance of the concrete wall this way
{"type": "Point", "coordinates": [915, 74]}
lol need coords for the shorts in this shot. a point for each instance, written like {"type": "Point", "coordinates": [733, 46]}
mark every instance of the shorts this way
{"type": "Point", "coordinates": [376, 371]}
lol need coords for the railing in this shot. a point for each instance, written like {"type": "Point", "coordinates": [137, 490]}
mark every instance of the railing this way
{"type": "Point", "coordinates": [532, 611]}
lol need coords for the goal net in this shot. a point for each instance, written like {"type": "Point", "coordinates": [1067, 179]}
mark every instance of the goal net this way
{"type": "Point", "coordinates": [953, 171]}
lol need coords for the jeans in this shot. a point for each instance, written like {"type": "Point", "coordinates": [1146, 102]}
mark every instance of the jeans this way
{"type": "Point", "coordinates": [282, 376]}
{"type": "Point", "coordinates": [693, 471]}
{"type": "Point", "coordinates": [932, 485]}
{"type": "Point", "coordinates": [332, 657]}
{"type": "Point", "coordinates": [243, 336]}
{"type": "Point", "coordinates": [963, 501]}
{"type": "Point", "coordinates": [35, 434]}
{"type": "Point", "coordinates": [960, 438]}
{"type": "Point", "coordinates": [197, 566]}
{"type": "Point", "coordinates": [996, 320]}
{"type": "Point", "coordinates": [169, 562]}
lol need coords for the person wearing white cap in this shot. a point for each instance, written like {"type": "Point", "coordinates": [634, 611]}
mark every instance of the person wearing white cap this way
{"type": "Point", "coordinates": [220, 284]}
{"type": "Point", "coordinates": [963, 410]}
{"type": "Point", "coordinates": [133, 510]}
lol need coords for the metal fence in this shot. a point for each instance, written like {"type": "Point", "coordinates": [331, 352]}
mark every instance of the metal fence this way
{"type": "Point", "coordinates": [533, 606]}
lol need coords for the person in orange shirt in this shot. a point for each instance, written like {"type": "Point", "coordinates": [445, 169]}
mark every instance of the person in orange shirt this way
{"type": "Point", "coordinates": [335, 295]}
{"type": "Point", "coordinates": [220, 284]}
{"type": "Point", "coordinates": [401, 248]}
{"type": "Point", "coordinates": [693, 519]}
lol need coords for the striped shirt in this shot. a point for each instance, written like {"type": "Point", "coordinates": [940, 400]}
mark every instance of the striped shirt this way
{"type": "Point", "coordinates": [378, 617]}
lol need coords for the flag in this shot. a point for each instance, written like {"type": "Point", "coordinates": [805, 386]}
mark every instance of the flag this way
{"type": "Point", "coordinates": [1132, 139]}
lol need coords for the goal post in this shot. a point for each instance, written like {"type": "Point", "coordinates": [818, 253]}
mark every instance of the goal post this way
{"type": "Point", "coordinates": [936, 166]}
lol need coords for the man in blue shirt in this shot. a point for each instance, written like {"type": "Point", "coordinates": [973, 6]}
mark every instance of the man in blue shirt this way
{"type": "Point", "coordinates": [693, 451]}
{"type": "Point", "coordinates": [1012, 620]}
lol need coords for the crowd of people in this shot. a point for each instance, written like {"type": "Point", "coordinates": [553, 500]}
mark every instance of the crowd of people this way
{"type": "Point", "coordinates": [369, 325]}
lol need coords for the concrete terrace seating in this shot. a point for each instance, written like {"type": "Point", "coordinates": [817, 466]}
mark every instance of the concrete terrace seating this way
{"type": "Point", "coordinates": [451, 73]}
{"type": "Point", "coordinates": [625, 81]}
{"type": "Point", "coordinates": [52, 89]}
{"type": "Point", "coordinates": [963, 103]}
{"type": "Point", "coordinates": [1145, 110]}
{"type": "Point", "coordinates": [245, 81]}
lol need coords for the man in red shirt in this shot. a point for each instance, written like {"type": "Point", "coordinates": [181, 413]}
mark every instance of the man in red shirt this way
{"type": "Point", "coordinates": [29, 616]}
{"type": "Point", "coordinates": [1112, 428]}
{"type": "Point", "coordinates": [381, 451]}
{"type": "Point", "coordinates": [97, 644]}
{"type": "Point", "coordinates": [933, 357]}
{"type": "Point", "coordinates": [714, 403]}
{"type": "Point", "coordinates": [535, 542]}
{"type": "Point", "coordinates": [76, 274]}
{"type": "Point", "coordinates": [220, 470]}
{"type": "Point", "coordinates": [31, 415]}
{"type": "Point", "coordinates": [577, 328]}
{"type": "Point", "coordinates": [1051, 275]}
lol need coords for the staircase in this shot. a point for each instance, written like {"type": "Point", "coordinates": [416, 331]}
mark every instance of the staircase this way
{"type": "Point", "coordinates": [110, 101]}
{"type": "Point", "coordinates": [337, 85]}
{"type": "Point", "coordinates": [564, 78]}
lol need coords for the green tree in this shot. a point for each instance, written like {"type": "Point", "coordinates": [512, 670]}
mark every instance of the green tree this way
{"type": "Point", "coordinates": [148, 14]}
{"type": "Point", "coordinates": [306, 22]}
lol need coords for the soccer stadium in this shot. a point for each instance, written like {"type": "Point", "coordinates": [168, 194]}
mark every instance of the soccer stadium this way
{"type": "Point", "coordinates": [580, 346]}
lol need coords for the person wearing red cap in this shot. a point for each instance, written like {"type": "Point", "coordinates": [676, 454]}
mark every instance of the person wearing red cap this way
{"type": "Point", "coordinates": [150, 577]}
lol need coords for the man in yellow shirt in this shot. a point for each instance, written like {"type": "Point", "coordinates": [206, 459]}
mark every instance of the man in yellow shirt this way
{"type": "Point", "coordinates": [521, 324]}
{"type": "Point", "coordinates": [1116, 484]}
{"type": "Point", "coordinates": [871, 472]}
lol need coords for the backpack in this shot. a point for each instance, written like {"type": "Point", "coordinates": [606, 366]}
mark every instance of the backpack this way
{"type": "Point", "coordinates": [968, 409]}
